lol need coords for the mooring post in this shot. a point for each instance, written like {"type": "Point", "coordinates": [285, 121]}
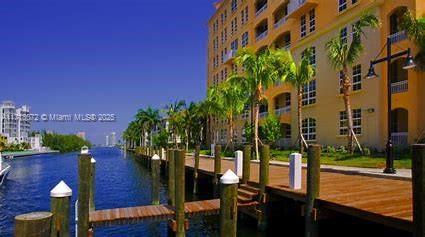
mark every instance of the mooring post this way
{"type": "Point", "coordinates": [84, 183]}
{"type": "Point", "coordinates": [195, 171]}
{"type": "Point", "coordinates": [92, 206]}
{"type": "Point", "coordinates": [246, 164]}
{"type": "Point", "coordinates": [418, 188]}
{"type": "Point", "coordinates": [156, 161]}
{"type": "Point", "coordinates": [60, 204]}
{"type": "Point", "coordinates": [171, 179]}
{"type": "Point", "coordinates": [238, 163]}
{"type": "Point", "coordinates": [35, 224]}
{"type": "Point", "coordinates": [228, 204]}
{"type": "Point", "coordinates": [264, 181]}
{"type": "Point", "coordinates": [217, 169]}
{"type": "Point", "coordinates": [313, 188]}
{"type": "Point", "coordinates": [180, 156]}
{"type": "Point", "coordinates": [295, 176]}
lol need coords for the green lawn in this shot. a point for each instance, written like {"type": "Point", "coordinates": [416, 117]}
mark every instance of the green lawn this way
{"type": "Point", "coordinates": [340, 159]}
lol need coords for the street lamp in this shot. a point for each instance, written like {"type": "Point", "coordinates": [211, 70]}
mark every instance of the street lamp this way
{"type": "Point", "coordinates": [409, 64]}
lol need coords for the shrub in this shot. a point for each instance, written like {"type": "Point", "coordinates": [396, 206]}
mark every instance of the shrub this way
{"type": "Point", "coordinates": [366, 151]}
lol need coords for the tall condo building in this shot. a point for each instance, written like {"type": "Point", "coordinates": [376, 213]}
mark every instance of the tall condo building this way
{"type": "Point", "coordinates": [113, 139]}
{"type": "Point", "coordinates": [297, 25]}
{"type": "Point", "coordinates": [14, 122]}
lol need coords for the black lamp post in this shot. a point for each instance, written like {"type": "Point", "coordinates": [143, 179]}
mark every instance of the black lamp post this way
{"type": "Point", "coordinates": [389, 169]}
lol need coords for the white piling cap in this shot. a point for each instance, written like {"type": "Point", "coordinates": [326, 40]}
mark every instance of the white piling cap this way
{"type": "Point", "coordinates": [93, 160]}
{"type": "Point", "coordinates": [84, 150]}
{"type": "Point", "coordinates": [296, 155]}
{"type": "Point", "coordinates": [229, 178]}
{"type": "Point", "coordinates": [61, 190]}
{"type": "Point", "coordinates": [156, 157]}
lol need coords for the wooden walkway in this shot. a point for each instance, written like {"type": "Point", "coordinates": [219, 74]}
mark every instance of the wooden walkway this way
{"type": "Point", "coordinates": [129, 215]}
{"type": "Point", "coordinates": [381, 200]}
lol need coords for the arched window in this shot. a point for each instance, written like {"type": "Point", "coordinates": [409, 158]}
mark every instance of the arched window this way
{"type": "Point", "coordinates": [395, 19]}
{"type": "Point", "coordinates": [309, 129]}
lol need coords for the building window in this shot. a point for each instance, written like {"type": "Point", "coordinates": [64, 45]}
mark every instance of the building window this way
{"type": "Point", "coordinates": [303, 26]}
{"type": "Point", "coordinates": [222, 37]}
{"type": "Point", "coordinates": [312, 20]}
{"type": "Point", "coordinates": [312, 58]}
{"type": "Point", "coordinates": [354, 1]}
{"type": "Point", "coordinates": [244, 16]}
{"type": "Point", "coordinates": [225, 74]}
{"type": "Point", "coordinates": [222, 56]}
{"type": "Point", "coordinates": [225, 34]}
{"type": "Point", "coordinates": [309, 93]}
{"type": "Point", "coordinates": [357, 77]}
{"type": "Point", "coordinates": [234, 68]}
{"type": "Point", "coordinates": [342, 5]}
{"type": "Point", "coordinates": [343, 33]}
{"type": "Point", "coordinates": [234, 45]}
{"type": "Point", "coordinates": [341, 82]}
{"type": "Point", "coordinates": [245, 39]}
{"type": "Point", "coordinates": [234, 6]}
{"type": "Point", "coordinates": [357, 122]}
{"type": "Point", "coordinates": [309, 129]}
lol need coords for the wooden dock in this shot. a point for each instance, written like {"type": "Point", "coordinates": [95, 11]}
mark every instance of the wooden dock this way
{"type": "Point", "coordinates": [376, 199]}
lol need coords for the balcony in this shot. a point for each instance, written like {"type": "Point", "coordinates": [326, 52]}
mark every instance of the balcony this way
{"type": "Point", "coordinates": [229, 56]}
{"type": "Point", "coordinates": [399, 87]}
{"type": "Point", "coordinates": [280, 22]}
{"type": "Point", "coordinates": [261, 10]}
{"type": "Point", "coordinates": [261, 36]}
{"type": "Point", "coordinates": [301, 7]}
{"type": "Point", "coordinates": [397, 37]}
{"type": "Point", "coordinates": [400, 138]}
{"type": "Point", "coordinates": [263, 114]}
{"type": "Point", "coordinates": [283, 110]}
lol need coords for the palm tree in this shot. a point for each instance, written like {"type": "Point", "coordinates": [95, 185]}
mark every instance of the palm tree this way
{"type": "Point", "coordinates": [298, 75]}
{"type": "Point", "coordinates": [151, 118]}
{"type": "Point", "coordinates": [210, 108]}
{"type": "Point", "coordinates": [342, 55]}
{"type": "Point", "coordinates": [415, 29]}
{"type": "Point", "coordinates": [141, 124]}
{"type": "Point", "coordinates": [174, 119]}
{"type": "Point", "coordinates": [260, 72]}
{"type": "Point", "coordinates": [230, 99]}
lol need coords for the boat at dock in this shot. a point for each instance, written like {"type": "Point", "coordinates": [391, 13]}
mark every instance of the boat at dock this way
{"type": "Point", "coordinates": [4, 170]}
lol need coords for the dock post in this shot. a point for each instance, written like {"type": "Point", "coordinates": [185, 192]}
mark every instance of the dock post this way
{"type": "Point", "coordinates": [295, 168]}
{"type": "Point", "coordinates": [228, 204]}
{"type": "Point", "coordinates": [171, 180]}
{"type": "Point", "coordinates": [246, 164]}
{"type": "Point", "coordinates": [35, 224]}
{"type": "Point", "coordinates": [180, 156]}
{"type": "Point", "coordinates": [313, 188]}
{"type": "Point", "coordinates": [84, 173]}
{"type": "Point", "coordinates": [92, 206]}
{"type": "Point", "coordinates": [156, 161]}
{"type": "Point", "coordinates": [60, 204]}
{"type": "Point", "coordinates": [195, 171]}
{"type": "Point", "coordinates": [264, 181]}
{"type": "Point", "coordinates": [217, 169]}
{"type": "Point", "coordinates": [418, 188]}
{"type": "Point", "coordinates": [238, 163]}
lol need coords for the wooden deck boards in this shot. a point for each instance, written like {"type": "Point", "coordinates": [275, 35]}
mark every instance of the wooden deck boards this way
{"type": "Point", "coordinates": [382, 200]}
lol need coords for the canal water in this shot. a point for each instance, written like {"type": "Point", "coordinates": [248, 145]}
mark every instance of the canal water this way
{"type": "Point", "coordinates": [120, 182]}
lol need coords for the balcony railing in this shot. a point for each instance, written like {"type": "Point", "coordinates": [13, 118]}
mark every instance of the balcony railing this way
{"type": "Point", "coordinates": [261, 10]}
{"type": "Point", "coordinates": [262, 35]}
{"type": "Point", "coordinates": [263, 114]}
{"type": "Point", "coordinates": [280, 22]}
{"type": "Point", "coordinates": [230, 55]}
{"type": "Point", "coordinates": [400, 138]}
{"type": "Point", "coordinates": [283, 110]}
{"type": "Point", "coordinates": [397, 37]}
{"type": "Point", "coordinates": [399, 87]}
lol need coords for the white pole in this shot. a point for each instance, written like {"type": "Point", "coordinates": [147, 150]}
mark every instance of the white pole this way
{"type": "Point", "coordinates": [238, 163]}
{"type": "Point", "coordinates": [1, 161]}
{"type": "Point", "coordinates": [295, 160]}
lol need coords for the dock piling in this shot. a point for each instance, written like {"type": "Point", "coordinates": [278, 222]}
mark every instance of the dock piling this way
{"type": "Point", "coordinates": [313, 188]}
{"type": "Point", "coordinates": [264, 181]}
{"type": "Point", "coordinates": [34, 224]}
{"type": "Point", "coordinates": [418, 189]}
{"type": "Point", "coordinates": [156, 161]}
{"type": "Point", "coordinates": [217, 169]}
{"type": "Point", "coordinates": [180, 157]}
{"type": "Point", "coordinates": [246, 164]}
{"type": "Point", "coordinates": [92, 183]}
{"type": "Point", "coordinates": [238, 163]}
{"type": "Point", "coordinates": [295, 176]}
{"type": "Point", "coordinates": [60, 204]}
{"type": "Point", "coordinates": [228, 204]}
{"type": "Point", "coordinates": [171, 179]}
{"type": "Point", "coordinates": [195, 170]}
{"type": "Point", "coordinates": [84, 183]}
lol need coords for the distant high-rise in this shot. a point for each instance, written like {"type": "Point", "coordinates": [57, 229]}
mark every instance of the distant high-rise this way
{"type": "Point", "coordinates": [14, 122]}
{"type": "Point", "coordinates": [113, 139]}
{"type": "Point", "coordinates": [81, 135]}
{"type": "Point", "coordinates": [107, 140]}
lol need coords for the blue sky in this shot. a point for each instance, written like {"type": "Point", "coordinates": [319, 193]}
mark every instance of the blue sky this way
{"type": "Point", "coordinates": [102, 56]}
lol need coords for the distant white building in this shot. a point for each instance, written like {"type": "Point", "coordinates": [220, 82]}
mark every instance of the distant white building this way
{"type": "Point", "coordinates": [36, 142]}
{"type": "Point", "coordinates": [14, 122]}
{"type": "Point", "coordinates": [113, 139]}
{"type": "Point", "coordinates": [81, 135]}
{"type": "Point", "coordinates": [107, 140]}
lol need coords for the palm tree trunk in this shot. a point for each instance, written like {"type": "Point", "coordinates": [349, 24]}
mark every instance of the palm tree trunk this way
{"type": "Point", "coordinates": [347, 103]}
{"type": "Point", "coordinates": [256, 114]}
{"type": "Point", "coordinates": [187, 140]}
{"type": "Point", "coordinates": [232, 147]}
{"type": "Point", "coordinates": [300, 120]}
